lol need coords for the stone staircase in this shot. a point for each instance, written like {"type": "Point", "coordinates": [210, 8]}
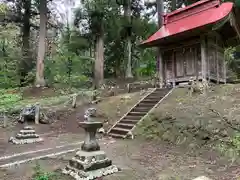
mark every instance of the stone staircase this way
{"type": "Point", "coordinates": [138, 112]}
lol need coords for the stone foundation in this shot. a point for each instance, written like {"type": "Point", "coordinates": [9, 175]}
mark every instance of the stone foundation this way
{"type": "Point", "coordinates": [90, 162]}
{"type": "Point", "coordinates": [26, 136]}
{"type": "Point", "coordinates": [89, 165]}
{"type": "Point", "coordinates": [82, 175]}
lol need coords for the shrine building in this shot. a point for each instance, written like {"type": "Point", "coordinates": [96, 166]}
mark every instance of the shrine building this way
{"type": "Point", "coordinates": [192, 41]}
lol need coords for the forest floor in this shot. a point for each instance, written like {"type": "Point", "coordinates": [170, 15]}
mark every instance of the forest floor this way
{"type": "Point", "coordinates": [149, 156]}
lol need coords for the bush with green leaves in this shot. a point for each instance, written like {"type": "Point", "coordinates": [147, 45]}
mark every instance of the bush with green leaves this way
{"type": "Point", "coordinates": [7, 99]}
{"type": "Point", "coordinates": [40, 174]}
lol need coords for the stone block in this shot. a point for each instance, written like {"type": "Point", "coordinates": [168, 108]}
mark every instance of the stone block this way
{"type": "Point", "coordinates": [202, 178]}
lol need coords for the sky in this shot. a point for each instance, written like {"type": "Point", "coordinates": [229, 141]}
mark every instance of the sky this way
{"type": "Point", "coordinates": [68, 8]}
{"type": "Point", "coordinates": [64, 7]}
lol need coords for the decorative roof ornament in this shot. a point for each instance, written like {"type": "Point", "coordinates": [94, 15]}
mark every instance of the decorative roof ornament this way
{"type": "Point", "coordinates": [183, 5]}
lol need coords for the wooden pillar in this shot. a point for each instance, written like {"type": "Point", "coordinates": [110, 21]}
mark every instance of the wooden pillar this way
{"type": "Point", "coordinates": [216, 60]}
{"type": "Point", "coordinates": [196, 63]}
{"type": "Point", "coordinates": [208, 68]}
{"type": "Point", "coordinates": [173, 70]}
{"type": "Point", "coordinates": [204, 58]}
{"type": "Point", "coordinates": [160, 69]}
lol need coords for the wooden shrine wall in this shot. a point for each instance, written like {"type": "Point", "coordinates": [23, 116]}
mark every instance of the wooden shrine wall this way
{"type": "Point", "coordinates": [182, 63]}
{"type": "Point", "coordinates": [215, 58]}
{"type": "Point", "coordinates": [168, 64]}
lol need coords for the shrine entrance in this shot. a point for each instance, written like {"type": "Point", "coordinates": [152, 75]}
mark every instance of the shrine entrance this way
{"type": "Point", "coordinates": [182, 63]}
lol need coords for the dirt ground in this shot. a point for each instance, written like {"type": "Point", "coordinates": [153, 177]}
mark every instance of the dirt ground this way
{"type": "Point", "coordinates": [141, 160]}
{"type": "Point", "coordinates": [66, 120]}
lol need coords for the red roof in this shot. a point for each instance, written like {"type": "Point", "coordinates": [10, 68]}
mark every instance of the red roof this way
{"type": "Point", "coordinates": [202, 13]}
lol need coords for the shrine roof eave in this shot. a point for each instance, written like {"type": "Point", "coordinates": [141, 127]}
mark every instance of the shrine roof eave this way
{"type": "Point", "coordinates": [174, 39]}
{"type": "Point", "coordinates": [189, 24]}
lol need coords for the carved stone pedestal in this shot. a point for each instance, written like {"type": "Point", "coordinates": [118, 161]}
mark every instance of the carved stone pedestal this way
{"type": "Point", "coordinates": [90, 162]}
{"type": "Point", "coordinates": [26, 136]}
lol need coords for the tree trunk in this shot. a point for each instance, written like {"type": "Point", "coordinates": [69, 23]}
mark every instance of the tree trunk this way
{"type": "Point", "coordinates": [41, 45]}
{"type": "Point", "coordinates": [127, 14]}
{"type": "Point", "coordinates": [99, 61]}
{"type": "Point", "coordinates": [26, 63]}
{"type": "Point", "coordinates": [129, 62]}
{"type": "Point", "coordinates": [160, 10]}
{"type": "Point", "coordinates": [173, 5]}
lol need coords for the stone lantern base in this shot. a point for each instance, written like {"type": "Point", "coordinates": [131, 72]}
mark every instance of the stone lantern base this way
{"type": "Point", "coordinates": [26, 136]}
{"type": "Point", "coordinates": [89, 165]}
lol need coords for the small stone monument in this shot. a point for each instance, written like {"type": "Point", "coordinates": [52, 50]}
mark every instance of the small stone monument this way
{"type": "Point", "coordinates": [89, 113]}
{"type": "Point", "coordinates": [90, 162]}
{"type": "Point", "coordinates": [26, 136]}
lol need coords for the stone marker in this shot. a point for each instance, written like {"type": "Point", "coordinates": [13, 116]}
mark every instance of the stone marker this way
{"type": "Point", "coordinates": [90, 162]}
{"type": "Point", "coordinates": [74, 100]}
{"type": "Point", "coordinates": [5, 119]}
{"type": "Point", "coordinates": [26, 136]}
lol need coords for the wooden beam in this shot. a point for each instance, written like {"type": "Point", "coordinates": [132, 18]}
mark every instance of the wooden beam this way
{"type": "Point", "coordinates": [204, 57]}
{"type": "Point", "coordinates": [180, 45]}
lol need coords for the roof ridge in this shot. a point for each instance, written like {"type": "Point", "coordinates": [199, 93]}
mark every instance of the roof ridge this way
{"type": "Point", "coordinates": [202, 5]}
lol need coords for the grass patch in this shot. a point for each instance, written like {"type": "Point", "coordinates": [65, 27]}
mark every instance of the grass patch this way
{"type": "Point", "coordinates": [40, 174]}
{"type": "Point", "coordinates": [11, 100]}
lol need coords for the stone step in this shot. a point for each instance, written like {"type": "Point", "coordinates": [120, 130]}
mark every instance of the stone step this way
{"type": "Point", "coordinates": [150, 101]}
{"type": "Point", "coordinates": [30, 131]}
{"type": "Point", "coordinates": [120, 131]}
{"type": "Point", "coordinates": [96, 173]}
{"type": "Point", "coordinates": [26, 136]}
{"type": "Point", "coordinates": [28, 128]}
{"type": "Point", "coordinates": [133, 117]}
{"type": "Point", "coordinates": [155, 97]}
{"type": "Point", "coordinates": [163, 89]}
{"type": "Point", "coordinates": [114, 135]}
{"type": "Point", "coordinates": [129, 121]}
{"type": "Point", "coordinates": [25, 141]}
{"type": "Point", "coordinates": [133, 113]}
{"type": "Point", "coordinates": [80, 165]}
{"type": "Point", "coordinates": [124, 126]}
{"type": "Point", "coordinates": [146, 105]}
{"type": "Point", "coordinates": [141, 109]}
